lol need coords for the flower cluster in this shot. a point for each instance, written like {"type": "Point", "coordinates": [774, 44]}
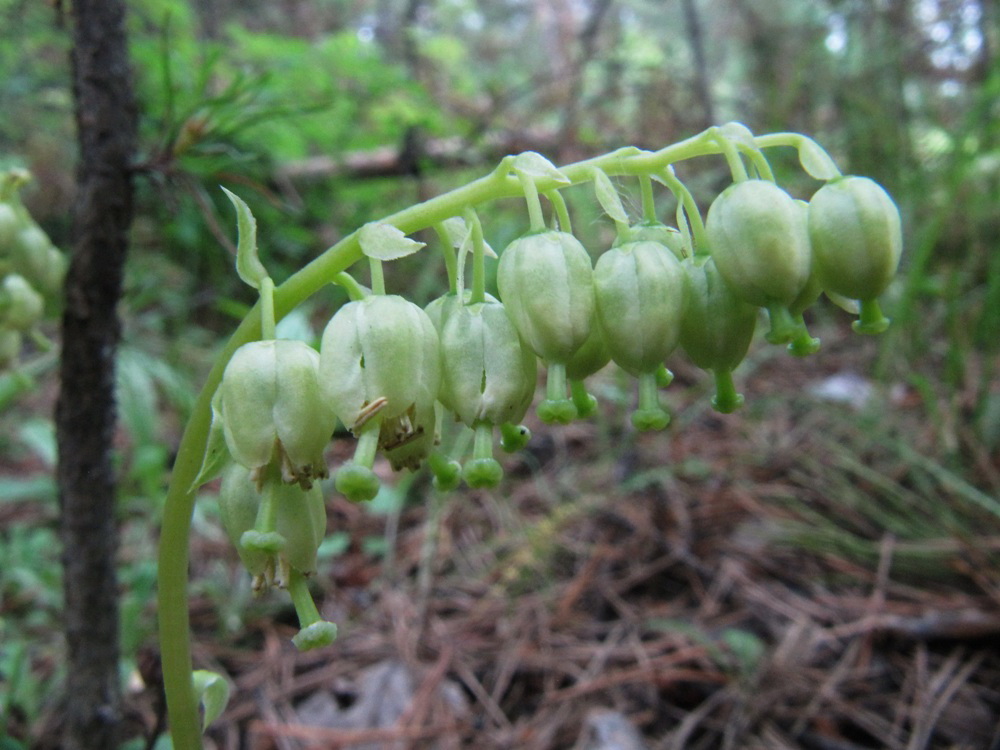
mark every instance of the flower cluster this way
{"type": "Point", "coordinates": [31, 272]}
{"type": "Point", "coordinates": [395, 374]}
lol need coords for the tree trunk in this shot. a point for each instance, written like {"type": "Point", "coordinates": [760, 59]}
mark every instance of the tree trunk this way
{"type": "Point", "coordinates": [85, 409]}
{"type": "Point", "coordinates": [702, 80]}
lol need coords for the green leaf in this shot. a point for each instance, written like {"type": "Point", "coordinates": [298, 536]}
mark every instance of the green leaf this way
{"type": "Point", "coordinates": [386, 242]}
{"type": "Point", "coordinates": [248, 264]}
{"type": "Point", "coordinates": [534, 165]}
{"type": "Point", "coordinates": [816, 161]}
{"type": "Point", "coordinates": [608, 197]}
{"type": "Point", "coordinates": [216, 451]}
{"type": "Point", "coordinates": [213, 694]}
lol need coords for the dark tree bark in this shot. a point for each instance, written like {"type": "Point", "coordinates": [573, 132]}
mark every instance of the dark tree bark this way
{"type": "Point", "coordinates": [85, 409]}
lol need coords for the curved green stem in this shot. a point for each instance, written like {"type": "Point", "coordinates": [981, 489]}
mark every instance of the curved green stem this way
{"type": "Point", "coordinates": [759, 162]}
{"type": "Point", "coordinates": [355, 292]}
{"type": "Point", "coordinates": [478, 293]}
{"type": "Point", "coordinates": [174, 549]}
{"type": "Point", "coordinates": [648, 200]}
{"type": "Point", "coordinates": [732, 154]}
{"type": "Point", "coordinates": [804, 145]}
{"type": "Point", "coordinates": [559, 206]}
{"type": "Point", "coordinates": [448, 253]}
{"type": "Point", "coordinates": [691, 211]}
{"type": "Point", "coordinates": [305, 607]}
{"type": "Point", "coordinates": [378, 278]}
{"type": "Point", "coordinates": [267, 308]}
{"type": "Point", "coordinates": [535, 217]}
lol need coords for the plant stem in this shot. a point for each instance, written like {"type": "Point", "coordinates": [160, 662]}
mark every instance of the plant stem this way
{"type": "Point", "coordinates": [559, 206]}
{"type": "Point", "coordinates": [267, 323]}
{"type": "Point", "coordinates": [478, 257]}
{"type": "Point", "coordinates": [305, 607]}
{"type": "Point", "coordinates": [448, 253]}
{"type": "Point", "coordinates": [378, 278]}
{"type": "Point", "coordinates": [355, 292]}
{"type": "Point", "coordinates": [732, 154]}
{"type": "Point", "coordinates": [534, 205]}
{"type": "Point", "coordinates": [648, 201]}
{"type": "Point", "coordinates": [687, 201]}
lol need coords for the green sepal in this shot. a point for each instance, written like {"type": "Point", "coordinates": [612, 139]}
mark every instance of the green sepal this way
{"type": "Point", "coordinates": [664, 377]}
{"type": "Point", "coordinates": [212, 692]}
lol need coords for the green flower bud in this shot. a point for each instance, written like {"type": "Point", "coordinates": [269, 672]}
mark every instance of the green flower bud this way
{"type": "Point", "coordinates": [10, 347]}
{"type": "Point", "coordinates": [857, 239]}
{"type": "Point", "coordinates": [487, 372]}
{"type": "Point", "coordinates": [760, 242]}
{"type": "Point", "coordinates": [379, 353]}
{"type": "Point", "coordinates": [300, 521]}
{"type": "Point", "coordinates": [20, 305]}
{"type": "Point", "coordinates": [546, 284]}
{"type": "Point", "coordinates": [272, 406]}
{"type": "Point", "coordinates": [639, 288]}
{"type": "Point", "coordinates": [32, 253]}
{"type": "Point", "coordinates": [717, 328]}
{"type": "Point", "coordinates": [10, 223]}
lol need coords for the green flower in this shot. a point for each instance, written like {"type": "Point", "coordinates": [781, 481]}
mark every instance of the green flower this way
{"type": "Point", "coordinates": [300, 522]}
{"type": "Point", "coordinates": [639, 289]}
{"type": "Point", "coordinates": [488, 373]}
{"type": "Point", "coordinates": [760, 242]}
{"type": "Point", "coordinates": [857, 239]}
{"type": "Point", "coordinates": [716, 329]}
{"type": "Point", "coordinates": [272, 408]}
{"type": "Point", "coordinates": [21, 307]}
{"type": "Point", "coordinates": [546, 284]}
{"type": "Point", "coordinates": [379, 350]}
{"type": "Point", "coordinates": [380, 372]}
